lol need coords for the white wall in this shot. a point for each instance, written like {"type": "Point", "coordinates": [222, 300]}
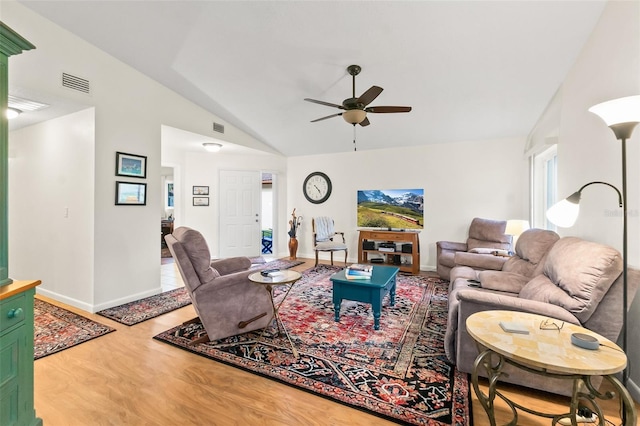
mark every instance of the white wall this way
{"type": "Point", "coordinates": [461, 181]}
{"type": "Point", "coordinates": [51, 197]}
{"type": "Point", "coordinates": [130, 109]}
{"type": "Point", "coordinates": [607, 68]}
{"type": "Point", "coordinates": [203, 169]}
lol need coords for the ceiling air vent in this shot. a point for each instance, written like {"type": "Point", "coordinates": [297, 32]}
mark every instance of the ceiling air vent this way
{"type": "Point", "coordinates": [218, 128]}
{"type": "Point", "coordinates": [75, 83]}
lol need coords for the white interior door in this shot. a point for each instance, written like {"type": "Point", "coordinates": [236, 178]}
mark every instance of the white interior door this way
{"type": "Point", "coordinates": [240, 209]}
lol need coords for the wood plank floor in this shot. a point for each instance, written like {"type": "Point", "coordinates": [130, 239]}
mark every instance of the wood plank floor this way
{"type": "Point", "coordinates": [126, 378]}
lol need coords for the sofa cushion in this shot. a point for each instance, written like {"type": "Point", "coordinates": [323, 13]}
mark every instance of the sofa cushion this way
{"type": "Point", "coordinates": [486, 233]}
{"type": "Point", "coordinates": [531, 249]}
{"type": "Point", "coordinates": [576, 276]}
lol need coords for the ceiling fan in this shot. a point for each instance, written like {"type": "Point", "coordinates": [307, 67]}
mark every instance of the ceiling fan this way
{"type": "Point", "coordinates": [355, 109]}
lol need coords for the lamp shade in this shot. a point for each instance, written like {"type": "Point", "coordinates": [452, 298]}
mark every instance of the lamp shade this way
{"type": "Point", "coordinates": [621, 110]}
{"type": "Point", "coordinates": [212, 147]}
{"type": "Point", "coordinates": [563, 213]}
{"type": "Point", "coordinates": [516, 227]}
{"type": "Point", "coordinates": [354, 116]}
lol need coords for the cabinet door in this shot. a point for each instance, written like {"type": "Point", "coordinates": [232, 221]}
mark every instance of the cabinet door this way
{"type": "Point", "coordinates": [12, 345]}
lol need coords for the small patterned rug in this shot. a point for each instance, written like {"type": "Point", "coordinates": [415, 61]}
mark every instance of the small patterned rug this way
{"type": "Point", "coordinates": [150, 307]}
{"type": "Point", "coordinates": [399, 372]}
{"type": "Point", "coordinates": [57, 329]}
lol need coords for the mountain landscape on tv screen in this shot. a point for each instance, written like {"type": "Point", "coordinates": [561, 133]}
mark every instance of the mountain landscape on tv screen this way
{"type": "Point", "coordinates": [391, 209]}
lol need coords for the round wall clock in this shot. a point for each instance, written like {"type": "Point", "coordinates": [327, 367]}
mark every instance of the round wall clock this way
{"type": "Point", "coordinates": [317, 187]}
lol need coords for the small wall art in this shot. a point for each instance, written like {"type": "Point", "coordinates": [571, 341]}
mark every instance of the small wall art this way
{"type": "Point", "coordinates": [131, 194]}
{"type": "Point", "coordinates": [200, 190]}
{"type": "Point", "coordinates": [131, 165]}
{"type": "Point", "coordinates": [200, 201]}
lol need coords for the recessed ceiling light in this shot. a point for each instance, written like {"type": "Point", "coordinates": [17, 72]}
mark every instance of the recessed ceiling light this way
{"type": "Point", "coordinates": [212, 147]}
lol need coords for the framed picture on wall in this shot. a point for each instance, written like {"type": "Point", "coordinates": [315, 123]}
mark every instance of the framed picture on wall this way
{"type": "Point", "coordinates": [200, 201]}
{"type": "Point", "coordinates": [131, 165]}
{"type": "Point", "coordinates": [131, 194]}
{"type": "Point", "coordinates": [200, 190]}
{"type": "Point", "coordinates": [169, 195]}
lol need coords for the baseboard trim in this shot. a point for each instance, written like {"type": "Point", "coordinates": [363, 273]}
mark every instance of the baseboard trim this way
{"type": "Point", "coordinates": [95, 308]}
{"type": "Point", "coordinates": [64, 299]}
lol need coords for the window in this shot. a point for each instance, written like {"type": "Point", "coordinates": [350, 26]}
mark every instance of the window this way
{"type": "Point", "coordinates": [544, 185]}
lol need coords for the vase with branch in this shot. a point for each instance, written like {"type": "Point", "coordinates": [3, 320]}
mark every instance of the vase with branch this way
{"type": "Point", "coordinates": [294, 223]}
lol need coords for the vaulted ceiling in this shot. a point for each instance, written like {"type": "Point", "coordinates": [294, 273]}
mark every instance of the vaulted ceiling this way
{"type": "Point", "coordinates": [471, 70]}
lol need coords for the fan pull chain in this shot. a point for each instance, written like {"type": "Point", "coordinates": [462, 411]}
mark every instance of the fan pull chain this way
{"type": "Point", "coordinates": [355, 148]}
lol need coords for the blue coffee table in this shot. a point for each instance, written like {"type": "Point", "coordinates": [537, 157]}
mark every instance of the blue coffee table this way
{"type": "Point", "coordinates": [373, 290]}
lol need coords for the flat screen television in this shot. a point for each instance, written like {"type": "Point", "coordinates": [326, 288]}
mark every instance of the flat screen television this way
{"type": "Point", "coordinates": [393, 209]}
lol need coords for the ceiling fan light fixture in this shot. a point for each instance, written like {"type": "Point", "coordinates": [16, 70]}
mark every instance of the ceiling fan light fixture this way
{"type": "Point", "coordinates": [354, 116]}
{"type": "Point", "coordinates": [212, 147]}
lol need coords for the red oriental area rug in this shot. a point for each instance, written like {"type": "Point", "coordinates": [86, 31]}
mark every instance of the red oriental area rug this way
{"type": "Point", "coordinates": [57, 329]}
{"type": "Point", "coordinates": [399, 372]}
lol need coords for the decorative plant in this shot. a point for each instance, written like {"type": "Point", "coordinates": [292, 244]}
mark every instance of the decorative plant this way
{"type": "Point", "coordinates": [294, 223]}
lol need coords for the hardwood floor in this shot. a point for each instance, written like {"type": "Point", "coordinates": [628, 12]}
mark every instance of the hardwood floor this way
{"type": "Point", "coordinates": [127, 378]}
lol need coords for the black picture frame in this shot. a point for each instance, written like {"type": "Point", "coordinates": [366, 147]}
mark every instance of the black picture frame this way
{"type": "Point", "coordinates": [131, 165]}
{"type": "Point", "coordinates": [201, 201]}
{"type": "Point", "coordinates": [131, 194]}
{"type": "Point", "coordinates": [200, 190]}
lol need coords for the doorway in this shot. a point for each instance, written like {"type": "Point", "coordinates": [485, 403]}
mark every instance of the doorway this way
{"type": "Point", "coordinates": [266, 240]}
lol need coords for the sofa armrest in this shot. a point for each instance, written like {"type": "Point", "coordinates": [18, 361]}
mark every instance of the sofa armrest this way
{"type": "Point", "coordinates": [502, 281]}
{"type": "Point", "coordinates": [480, 261]}
{"type": "Point", "coordinates": [472, 301]}
{"type": "Point", "coordinates": [451, 245]}
{"type": "Point", "coordinates": [231, 265]}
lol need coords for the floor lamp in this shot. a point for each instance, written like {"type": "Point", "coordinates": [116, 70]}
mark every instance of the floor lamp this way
{"type": "Point", "coordinates": [622, 116]}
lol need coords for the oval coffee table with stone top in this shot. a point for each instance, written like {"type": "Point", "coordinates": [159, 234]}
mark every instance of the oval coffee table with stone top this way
{"type": "Point", "coordinates": [546, 350]}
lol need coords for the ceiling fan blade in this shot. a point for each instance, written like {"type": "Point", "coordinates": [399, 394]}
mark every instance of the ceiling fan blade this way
{"type": "Point", "coordinates": [384, 109]}
{"type": "Point", "coordinates": [367, 97]}
{"type": "Point", "coordinates": [328, 116]}
{"type": "Point", "coordinates": [324, 103]}
{"type": "Point", "coordinates": [365, 122]}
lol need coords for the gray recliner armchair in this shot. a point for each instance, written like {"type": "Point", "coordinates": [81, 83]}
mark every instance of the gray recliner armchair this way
{"type": "Point", "coordinates": [226, 302]}
{"type": "Point", "coordinates": [486, 248]}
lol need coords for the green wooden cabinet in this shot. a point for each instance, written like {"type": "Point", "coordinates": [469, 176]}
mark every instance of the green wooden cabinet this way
{"type": "Point", "coordinates": [16, 298]}
{"type": "Point", "coordinates": [16, 354]}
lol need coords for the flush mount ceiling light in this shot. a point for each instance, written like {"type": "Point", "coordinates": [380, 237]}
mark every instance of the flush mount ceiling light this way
{"type": "Point", "coordinates": [12, 113]}
{"type": "Point", "coordinates": [212, 147]}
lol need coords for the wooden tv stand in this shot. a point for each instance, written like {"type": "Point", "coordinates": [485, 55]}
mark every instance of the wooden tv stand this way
{"type": "Point", "coordinates": [400, 237]}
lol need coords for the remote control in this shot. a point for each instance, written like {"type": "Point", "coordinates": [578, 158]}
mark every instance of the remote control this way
{"type": "Point", "coordinates": [266, 272]}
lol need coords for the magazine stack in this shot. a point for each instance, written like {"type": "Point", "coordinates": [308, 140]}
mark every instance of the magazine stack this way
{"type": "Point", "coordinates": [358, 272]}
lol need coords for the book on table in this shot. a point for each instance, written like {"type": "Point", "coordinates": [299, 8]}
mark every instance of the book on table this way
{"type": "Point", "coordinates": [356, 277]}
{"type": "Point", "coordinates": [360, 267]}
{"type": "Point", "coordinates": [355, 272]}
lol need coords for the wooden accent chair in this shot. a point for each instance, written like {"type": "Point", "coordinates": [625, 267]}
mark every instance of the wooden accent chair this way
{"type": "Point", "coordinates": [325, 238]}
{"type": "Point", "coordinates": [226, 302]}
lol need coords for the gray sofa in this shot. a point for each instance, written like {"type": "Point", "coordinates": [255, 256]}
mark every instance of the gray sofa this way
{"type": "Point", "coordinates": [569, 279]}
{"type": "Point", "coordinates": [485, 237]}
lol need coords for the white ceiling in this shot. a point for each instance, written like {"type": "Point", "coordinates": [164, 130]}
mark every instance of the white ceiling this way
{"type": "Point", "coordinates": [471, 70]}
